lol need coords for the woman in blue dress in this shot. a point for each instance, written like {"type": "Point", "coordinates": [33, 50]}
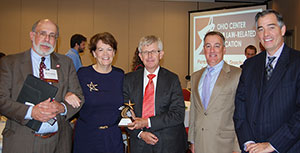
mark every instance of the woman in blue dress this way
{"type": "Point", "coordinates": [97, 128]}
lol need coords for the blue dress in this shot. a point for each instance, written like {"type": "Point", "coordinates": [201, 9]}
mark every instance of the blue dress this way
{"type": "Point", "coordinates": [103, 97]}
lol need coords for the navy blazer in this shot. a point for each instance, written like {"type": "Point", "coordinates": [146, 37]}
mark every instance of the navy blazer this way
{"type": "Point", "coordinates": [269, 111]}
{"type": "Point", "coordinates": [167, 124]}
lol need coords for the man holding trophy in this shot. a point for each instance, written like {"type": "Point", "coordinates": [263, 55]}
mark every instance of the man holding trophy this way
{"type": "Point", "coordinates": [158, 115]}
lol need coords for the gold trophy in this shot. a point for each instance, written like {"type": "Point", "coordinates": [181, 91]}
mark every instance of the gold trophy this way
{"type": "Point", "coordinates": [126, 114]}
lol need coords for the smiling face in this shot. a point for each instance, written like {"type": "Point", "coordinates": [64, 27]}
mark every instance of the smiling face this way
{"type": "Point", "coordinates": [214, 49]}
{"type": "Point", "coordinates": [269, 33]}
{"type": "Point", "coordinates": [44, 37]}
{"type": "Point", "coordinates": [104, 54]}
{"type": "Point", "coordinates": [151, 55]}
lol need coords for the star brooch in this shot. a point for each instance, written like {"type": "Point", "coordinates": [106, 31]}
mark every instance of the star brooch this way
{"type": "Point", "coordinates": [92, 86]}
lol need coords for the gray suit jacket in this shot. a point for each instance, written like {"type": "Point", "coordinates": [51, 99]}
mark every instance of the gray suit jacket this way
{"type": "Point", "coordinates": [167, 124]}
{"type": "Point", "coordinates": [212, 130]}
{"type": "Point", "coordinates": [13, 71]}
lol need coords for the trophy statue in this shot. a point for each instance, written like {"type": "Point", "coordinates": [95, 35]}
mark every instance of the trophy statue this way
{"type": "Point", "coordinates": [126, 114]}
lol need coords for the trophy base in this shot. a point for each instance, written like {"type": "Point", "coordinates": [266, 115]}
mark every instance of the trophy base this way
{"type": "Point", "coordinates": [124, 122]}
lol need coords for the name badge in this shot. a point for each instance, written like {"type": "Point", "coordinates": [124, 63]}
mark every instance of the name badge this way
{"type": "Point", "coordinates": [50, 75]}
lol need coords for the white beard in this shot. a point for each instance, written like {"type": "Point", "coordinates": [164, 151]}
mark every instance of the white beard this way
{"type": "Point", "coordinates": [39, 51]}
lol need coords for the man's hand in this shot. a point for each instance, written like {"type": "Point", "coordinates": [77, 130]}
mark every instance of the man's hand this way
{"type": "Point", "coordinates": [46, 110]}
{"type": "Point", "coordinates": [192, 148]}
{"type": "Point", "coordinates": [149, 138]}
{"type": "Point", "coordinates": [138, 123]}
{"type": "Point", "coordinates": [264, 147]}
{"type": "Point", "coordinates": [72, 99]}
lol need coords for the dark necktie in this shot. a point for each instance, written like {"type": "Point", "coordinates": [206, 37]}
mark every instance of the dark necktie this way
{"type": "Point", "coordinates": [269, 67]}
{"type": "Point", "coordinates": [42, 67]}
{"type": "Point", "coordinates": [148, 101]}
{"type": "Point", "coordinates": [206, 87]}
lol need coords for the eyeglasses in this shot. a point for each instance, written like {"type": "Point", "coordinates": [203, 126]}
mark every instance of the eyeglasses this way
{"type": "Point", "coordinates": [148, 52]}
{"type": "Point", "coordinates": [43, 35]}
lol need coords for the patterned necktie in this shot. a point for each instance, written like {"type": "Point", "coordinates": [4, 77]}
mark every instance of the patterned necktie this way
{"type": "Point", "coordinates": [206, 87]}
{"type": "Point", "coordinates": [42, 67]}
{"type": "Point", "coordinates": [148, 101]}
{"type": "Point", "coordinates": [269, 67]}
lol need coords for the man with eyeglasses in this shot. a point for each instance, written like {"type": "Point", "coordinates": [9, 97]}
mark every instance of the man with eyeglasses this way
{"type": "Point", "coordinates": [211, 128]}
{"type": "Point", "coordinates": [159, 106]}
{"type": "Point", "coordinates": [40, 60]}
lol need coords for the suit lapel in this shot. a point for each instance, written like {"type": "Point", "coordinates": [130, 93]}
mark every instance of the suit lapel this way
{"type": "Point", "coordinates": [55, 64]}
{"type": "Point", "coordinates": [259, 69]}
{"type": "Point", "coordinates": [26, 67]}
{"type": "Point", "coordinates": [159, 88]}
{"type": "Point", "coordinates": [219, 85]}
{"type": "Point", "coordinates": [278, 72]}
{"type": "Point", "coordinates": [139, 81]}
{"type": "Point", "coordinates": [196, 87]}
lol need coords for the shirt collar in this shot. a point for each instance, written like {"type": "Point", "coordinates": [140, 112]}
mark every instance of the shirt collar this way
{"type": "Point", "coordinates": [278, 52]}
{"type": "Point", "coordinates": [75, 51]}
{"type": "Point", "coordinates": [36, 56]}
{"type": "Point", "coordinates": [155, 72]}
{"type": "Point", "coordinates": [217, 67]}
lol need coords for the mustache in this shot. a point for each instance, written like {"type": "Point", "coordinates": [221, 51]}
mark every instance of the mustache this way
{"type": "Point", "coordinates": [47, 44]}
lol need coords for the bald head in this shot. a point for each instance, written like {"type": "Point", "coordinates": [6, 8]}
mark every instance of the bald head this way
{"type": "Point", "coordinates": [44, 36]}
{"type": "Point", "coordinates": [42, 22]}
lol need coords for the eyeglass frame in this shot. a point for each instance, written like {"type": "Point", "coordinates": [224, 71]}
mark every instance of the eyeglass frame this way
{"type": "Point", "coordinates": [152, 52]}
{"type": "Point", "coordinates": [43, 35]}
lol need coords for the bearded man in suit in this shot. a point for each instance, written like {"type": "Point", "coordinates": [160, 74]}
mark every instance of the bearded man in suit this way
{"type": "Point", "coordinates": [49, 138]}
{"type": "Point", "coordinates": [159, 106]}
{"type": "Point", "coordinates": [211, 128]}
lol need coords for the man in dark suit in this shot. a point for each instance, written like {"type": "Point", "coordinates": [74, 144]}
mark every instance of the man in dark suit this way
{"type": "Point", "coordinates": [267, 104]}
{"type": "Point", "coordinates": [49, 138]}
{"type": "Point", "coordinates": [158, 126]}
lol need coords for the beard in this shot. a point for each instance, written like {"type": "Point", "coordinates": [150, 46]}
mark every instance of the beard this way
{"type": "Point", "coordinates": [80, 50]}
{"type": "Point", "coordinates": [39, 51]}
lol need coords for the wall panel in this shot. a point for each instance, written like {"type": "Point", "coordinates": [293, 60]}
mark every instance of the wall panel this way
{"type": "Point", "coordinates": [33, 10]}
{"type": "Point", "coordinates": [10, 26]}
{"type": "Point", "coordinates": [146, 18]}
{"type": "Point", "coordinates": [75, 16]}
{"type": "Point", "coordinates": [112, 16]}
{"type": "Point", "coordinates": [176, 37]}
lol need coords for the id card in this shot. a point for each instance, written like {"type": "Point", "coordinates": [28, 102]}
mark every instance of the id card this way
{"type": "Point", "coordinates": [50, 75]}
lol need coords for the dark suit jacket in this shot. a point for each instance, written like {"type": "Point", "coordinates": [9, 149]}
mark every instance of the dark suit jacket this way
{"type": "Point", "coordinates": [13, 71]}
{"type": "Point", "coordinates": [269, 111]}
{"type": "Point", "coordinates": [167, 124]}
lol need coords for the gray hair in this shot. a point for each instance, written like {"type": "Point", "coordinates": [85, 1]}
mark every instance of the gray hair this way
{"type": "Point", "coordinates": [37, 22]}
{"type": "Point", "coordinates": [270, 11]}
{"type": "Point", "coordinates": [148, 40]}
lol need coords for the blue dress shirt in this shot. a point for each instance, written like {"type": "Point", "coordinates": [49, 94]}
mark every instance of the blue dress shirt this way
{"type": "Point", "coordinates": [36, 60]}
{"type": "Point", "coordinates": [74, 55]}
{"type": "Point", "coordinates": [215, 73]}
